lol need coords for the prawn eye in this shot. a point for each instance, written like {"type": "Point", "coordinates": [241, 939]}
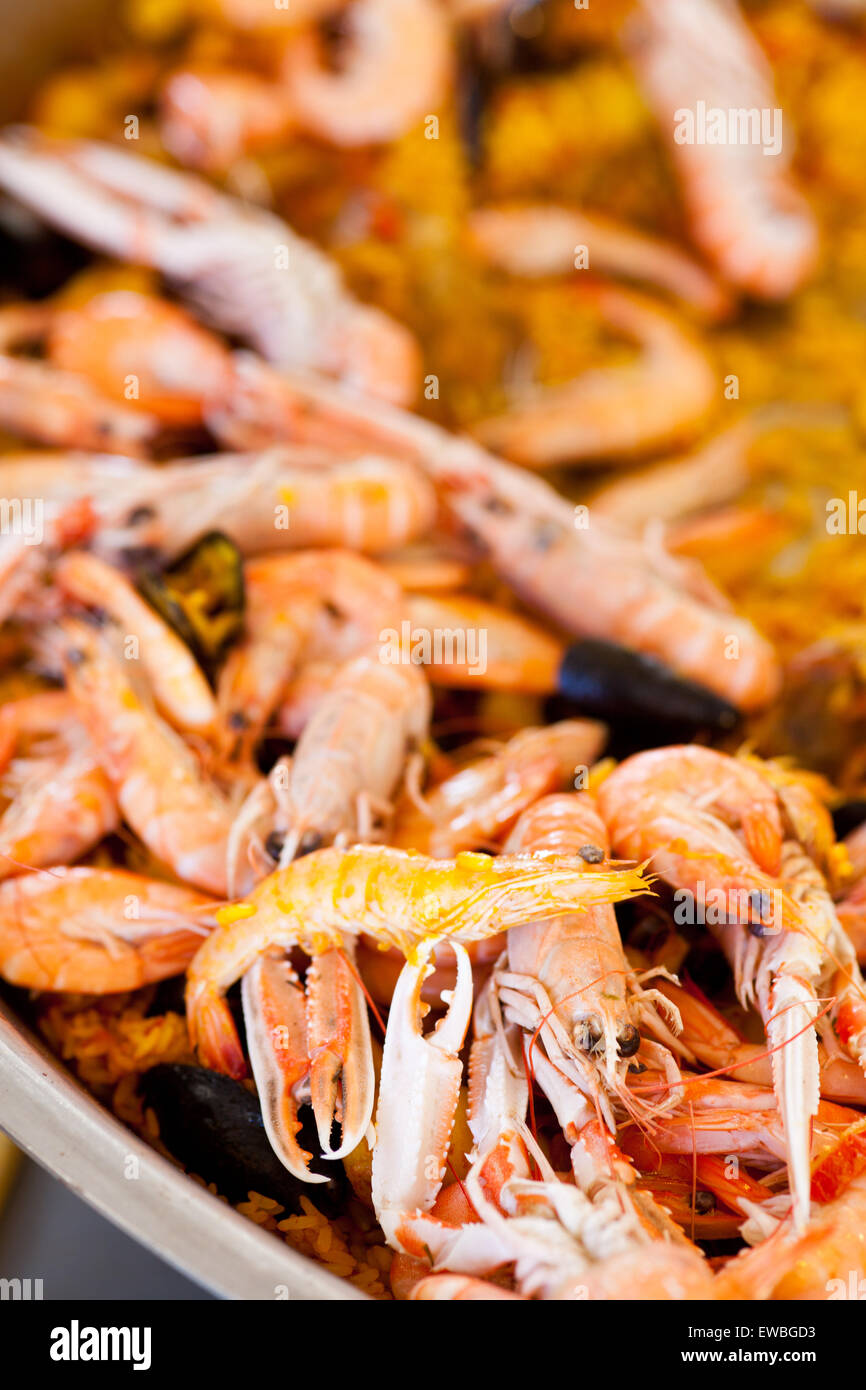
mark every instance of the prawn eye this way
{"type": "Point", "coordinates": [274, 844]}
{"type": "Point", "coordinates": [592, 854]}
{"type": "Point", "coordinates": [588, 1035]}
{"type": "Point", "coordinates": [628, 1041]}
{"type": "Point", "coordinates": [310, 840]}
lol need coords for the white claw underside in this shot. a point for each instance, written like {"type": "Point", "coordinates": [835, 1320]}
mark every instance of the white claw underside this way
{"type": "Point", "coordinates": [418, 1094]}
{"type": "Point", "coordinates": [796, 1080]}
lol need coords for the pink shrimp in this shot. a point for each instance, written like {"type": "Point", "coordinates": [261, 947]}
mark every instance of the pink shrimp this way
{"type": "Point", "coordinates": [241, 267]}
{"type": "Point", "coordinates": [712, 826]}
{"type": "Point", "coordinates": [61, 803]}
{"type": "Point", "coordinates": [540, 239]}
{"type": "Point", "coordinates": [97, 931]}
{"type": "Point", "coordinates": [183, 818]}
{"type": "Point", "coordinates": [616, 411]}
{"type": "Point", "coordinates": [480, 803]}
{"type": "Point", "coordinates": [395, 72]}
{"type": "Point", "coordinates": [179, 686]}
{"type": "Point", "coordinates": [298, 606]}
{"type": "Point", "coordinates": [698, 56]}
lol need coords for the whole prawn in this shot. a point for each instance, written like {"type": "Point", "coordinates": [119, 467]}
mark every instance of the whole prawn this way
{"type": "Point", "coordinates": [97, 931]}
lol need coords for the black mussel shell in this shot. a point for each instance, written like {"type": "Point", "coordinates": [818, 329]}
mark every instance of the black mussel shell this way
{"type": "Point", "coordinates": [201, 596]}
{"type": "Point", "coordinates": [214, 1127]}
{"type": "Point", "coordinates": [848, 816]}
{"type": "Point", "coordinates": [606, 681]}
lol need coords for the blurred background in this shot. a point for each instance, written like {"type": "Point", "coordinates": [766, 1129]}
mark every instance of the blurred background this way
{"type": "Point", "coordinates": [48, 1233]}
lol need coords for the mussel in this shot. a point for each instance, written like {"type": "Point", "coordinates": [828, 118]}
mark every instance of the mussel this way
{"type": "Point", "coordinates": [213, 1126]}
{"type": "Point", "coordinates": [620, 686]}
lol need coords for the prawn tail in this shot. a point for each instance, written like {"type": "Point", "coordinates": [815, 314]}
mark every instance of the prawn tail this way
{"type": "Point", "coordinates": [213, 1035]}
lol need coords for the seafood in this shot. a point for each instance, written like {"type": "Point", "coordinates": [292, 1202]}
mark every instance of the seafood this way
{"type": "Point", "coordinates": [745, 213]}
{"type": "Point", "coordinates": [588, 579]}
{"type": "Point", "coordinates": [394, 73]}
{"type": "Point", "coordinates": [97, 930]}
{"type": "Point", "coordinates": [161, 790]}
{"type": "Point", "coordinates": [410, 640]}
{"type": "Point", "coordinates": [338, 785]}
{"type": "Point", "coordinates": [311, 604]}
{"type": "Point", "coordinates": [61, 803]}
{"type": "Point", "coordinates": [712, 824]}
{"type": "Point", "coordinates": [242, 268]}
{"type": "Point", "coordinates": [478, 804]}
{"type": "Point", "coordinates": [396, 897]}
{"type": "Point", "coordinates": [283, 498]}
{"type": "Point", "coordinates": [566, 979]}
{"type": "Point", "coordinates": [817, 1263]}
{"type": "Point", "coordinates": [705, 479]}
{"type": "Point", "coordinates": [612, 412]}
{"type": "Point", "coordinates": [47, 403]}
{"type": "Point", "coordinates": [178, 685]}
{"type": "Point", "coordinates": [546, 240]}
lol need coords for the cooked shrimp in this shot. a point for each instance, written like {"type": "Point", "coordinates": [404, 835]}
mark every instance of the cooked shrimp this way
{"type": "Point", "coordinates": [539, 239]}
{"type": "Point", "coordinates": [601, 583]}
{"type": "Point", "coordinates": [61, 803]}
{"type": "Point", "coordinates": [714, 1042]}
{"type": "Point", "coordinates": [289, 598]}
{"type": "Point", "coordinates": [396, 897]}
{"type": "Point", "coordinates": [476, 805]}
{"type": "Point", "coordinates": [712, 824]}
{"type": "Point", "coordinates": [97, 931]}
{"type": "Point", "coordinates": [699, 55]}
{"type": "Point", "coordinates": [591, 581]}
{"type": "Point", "coordinates": [143, 350]}
{"type": "Point", "coordinates": [40, 401]}
{"type": "Point", "coordinates": [179, 687]}
{"type": "Point", "coordinates": [610, 412]}
{"type": "Point", "coordinates": [351, 755]}
{"type": "Point", "coordinates": [479, 645]}
{"type": "Point", "coordinates": [210, 119]}
{"type": "Point", "coordinates": [286, 498]}
{"type": "Point", "coordinates": [240, 266]}
{"type": "Point", "coordinates": [395, 71]}
{"type": "Point", "coordinates": [568, 977]}
{"type": "Point", "coordinates": [162, 792]}
{"type": "Point", "coordinates": [810, 1264]}
{"type": "Point", "coordinates": [715, 473]}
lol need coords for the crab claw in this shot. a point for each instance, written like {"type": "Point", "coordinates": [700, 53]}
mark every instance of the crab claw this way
{"type": "Point", "coordinates": [341, 1054]}
{"type": "Point", "coordinates": [275, 1018]}
{"type": "Point", "coordinates": [419, 1090]}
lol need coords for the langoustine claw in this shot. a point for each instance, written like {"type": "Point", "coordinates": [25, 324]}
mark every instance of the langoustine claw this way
{"type": "Point", "coordinates": [310, 1046]}
{"type": "Point", "coordinates": [419, 1087]}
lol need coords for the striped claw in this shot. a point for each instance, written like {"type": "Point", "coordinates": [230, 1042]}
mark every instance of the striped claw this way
{"type": "Point", "coordinates": [275, 1018]}
{"type": "Point", "coordinates": [310, 1048]}
{"type": "Point", "coordinates": [342, 1079]}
